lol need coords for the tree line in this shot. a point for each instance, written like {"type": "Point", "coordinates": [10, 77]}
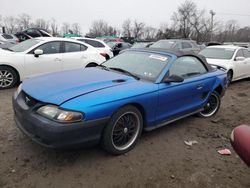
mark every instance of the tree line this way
{"type": "Point", "coordinates": [186, 22]}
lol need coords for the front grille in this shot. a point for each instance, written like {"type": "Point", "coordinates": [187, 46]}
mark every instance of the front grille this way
{"type": "Point", "coordinates": [29, 101]}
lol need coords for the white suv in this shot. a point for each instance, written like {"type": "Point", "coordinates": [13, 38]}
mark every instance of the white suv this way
{"type": "Point", "coordinates": [101, 46]}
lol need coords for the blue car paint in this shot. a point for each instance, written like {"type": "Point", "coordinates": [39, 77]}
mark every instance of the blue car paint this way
{"type": "Point", "coordinates": [94, 92]}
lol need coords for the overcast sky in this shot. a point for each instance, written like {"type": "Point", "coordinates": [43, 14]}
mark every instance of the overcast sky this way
{"type": "Point", "coordinates": [151, 12]}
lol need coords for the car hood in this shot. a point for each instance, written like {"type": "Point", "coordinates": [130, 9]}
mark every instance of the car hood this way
{"type": "Point", "coordinates": [220, 62]}
{"type": "Point", "coordinates": [57, 88]}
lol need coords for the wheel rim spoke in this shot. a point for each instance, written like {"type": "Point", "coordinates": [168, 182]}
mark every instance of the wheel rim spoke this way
{"type": "Point", "coordinates": [125, 130]}
{"type": "Point", "coordinates": [6, 78]}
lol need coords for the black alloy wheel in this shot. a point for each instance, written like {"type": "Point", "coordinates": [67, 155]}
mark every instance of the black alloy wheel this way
{"type": "Point", "coordinates": [123, 130]}
{"type": "Point", "coordinates": [212, 105]}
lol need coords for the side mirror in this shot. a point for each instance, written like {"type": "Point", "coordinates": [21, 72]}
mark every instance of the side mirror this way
{"type": "Point", "coordinates": [173, 78]}
{"type": "Point", "coordinates": [240, 58]}
{"type": "Point", "coordinates": [38, 52]}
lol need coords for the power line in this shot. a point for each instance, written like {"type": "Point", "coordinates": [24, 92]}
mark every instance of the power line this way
{"type": "Point", "coordinates": [231, 14]}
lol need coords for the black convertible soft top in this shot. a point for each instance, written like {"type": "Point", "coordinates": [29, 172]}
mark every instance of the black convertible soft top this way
{"type": "Point", "coordinates": [177, 53]}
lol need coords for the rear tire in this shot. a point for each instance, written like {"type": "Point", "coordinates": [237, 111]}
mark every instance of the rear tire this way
{"type": "Point", "coordinates": [8, 77]}
{"type": "Point", "coordinates": [123, 130]}
{"type": "Point", "coordinates": [212, 106]}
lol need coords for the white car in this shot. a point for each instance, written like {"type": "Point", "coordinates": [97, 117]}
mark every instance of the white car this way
{"type": "Point", "coordinates": [236, 60]}
{"type": "Point", "coordinates": [101, 46]}
{"type": "Point", "coordinates": [44, 55]}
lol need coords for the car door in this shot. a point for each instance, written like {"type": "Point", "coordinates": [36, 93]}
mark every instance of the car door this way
{"type": "Point", "coordinates": [240, 65]}
{"type": "Point", "coordinates": [75, 56]}
{"type": "Point", "coordinates": [49, 61]}
{"type": "Point", "coordinates": [246, 54]}
{"type": "Point", "coordinates": [178, 99]}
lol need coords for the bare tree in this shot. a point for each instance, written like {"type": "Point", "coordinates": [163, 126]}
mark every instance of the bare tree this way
{"type": "Point", "coordinates": [98, 28]}
{"type": "Point", "coordinates": [183, 16]}
{"type": "Point", "coordinates": [149, 33]}
{"type": "Point", "coordinates": [53, 27]}
{"type": "Point", "coordinates": [127, 28]}
{"type": "Point", "coordinates": [76, 28]}
{"type": "Point", "coordinates": [1, 19]}
{"type": "Point", "coordinates": [10, 24]}
{"type": "Point", "coordinates": [65, 28]}
{"type": "Point", "coordinates": [138, 29]}
{"type": "Point", "coordinates": [41, 23]}
{"type": "Point", "coordinates": [23, 21]}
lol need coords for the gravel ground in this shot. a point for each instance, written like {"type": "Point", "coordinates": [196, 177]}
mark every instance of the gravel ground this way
{"type": "Point", "coordinates": [160, 159]}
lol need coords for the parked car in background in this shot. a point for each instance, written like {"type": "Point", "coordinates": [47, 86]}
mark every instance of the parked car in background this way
{"type": "Point", "coordinates": [8, 38]}
{"type": "Point", "coordinates": [177, 44]}
{"type": "Point", "coordinates": [44, 55]}
{"type": "Point", "coordinates": [99, 45]}
{"type": "Point", "coordinates": [111, 103]}
{"type": "Point", "coordinates": [240, 140]}
{"type": "Point", "coordinates": [118, 46]}
{"type": "Point", "coordinates": [213, 43]}
{"type": "Point", "coordinates": [32, 33]}
{"type": "Point", "coordinates": [142, 44]}
{"type": "Point", "coordinates": [236, 60]}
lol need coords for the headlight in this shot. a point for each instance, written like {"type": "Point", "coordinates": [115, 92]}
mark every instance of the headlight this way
{"type": "Point", "coordinates": [56, 114]}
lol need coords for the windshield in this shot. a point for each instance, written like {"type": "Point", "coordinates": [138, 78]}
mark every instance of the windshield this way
{"type": "Point", "coordinates": [140, 45]}
{"type": "Point", "coordinates": [23, 46]}
{"type": "Point", "coordinates": [218, 53]}
{"type": "Point", "coordinates": [111, 44]}
{"type": "Point", "coordinates": [142, 64]}
{"type": "Point", "coordinates": [163, 44]}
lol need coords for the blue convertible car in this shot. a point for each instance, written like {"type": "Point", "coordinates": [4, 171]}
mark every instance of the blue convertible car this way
{"type": "Point", "coordinates": [141, 89]}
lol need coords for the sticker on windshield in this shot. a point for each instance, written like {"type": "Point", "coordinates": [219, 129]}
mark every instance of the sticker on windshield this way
{"type": "Point", "coordinates": [161, 58]}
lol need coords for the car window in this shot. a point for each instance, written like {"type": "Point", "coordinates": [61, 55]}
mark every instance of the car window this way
{"type": "Point", "coordinates": [93, 43]}
{"type": "Point", "coordinates": [186, 45]}
{"type": "Point", "coordinates": [187, 67]}
{"type": "Point", "coordinates": [246, 53]}
{"type": "Point", "coordinates": [218, 53]}
{"type": "Point", "coordinates": [74, 47]}
{"type": "Point", "coordinates": [6, 36]}
{"type": "Point", "coordinates": [23, 46]}
{"type": "Point", "coordinates": [239, 53]}
{"type": "Point", "coordinates": [177, 46]}
{"type": "Point", "coordinates": [50, 48]}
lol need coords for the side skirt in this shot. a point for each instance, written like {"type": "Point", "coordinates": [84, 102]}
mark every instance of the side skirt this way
{"type": "Point", "coordinates": [171, 121]}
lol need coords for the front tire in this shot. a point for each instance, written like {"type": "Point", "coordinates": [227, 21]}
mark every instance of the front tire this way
{"type": "Point", "coordinates": [122, 131]}
{"type": "Point", "coordinates": [212, 106]}
{"type": "Point", "coordinates": [8, 77]}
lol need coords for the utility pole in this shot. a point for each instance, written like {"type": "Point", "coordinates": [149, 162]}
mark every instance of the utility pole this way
{"type": "Point", "coordinates": [212, 23]}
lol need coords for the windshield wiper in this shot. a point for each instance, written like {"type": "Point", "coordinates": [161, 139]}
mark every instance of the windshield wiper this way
{"type": "Point", "coordinates": [8, 49]}
{"type": "Point", "coordinates": [103, 67]}
{"type": "Point", "coordinates": [125, 71]}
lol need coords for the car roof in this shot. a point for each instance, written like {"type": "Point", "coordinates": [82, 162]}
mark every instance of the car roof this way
{"type": "Point", "coordinates": [87, 38]}
{"type": "Point", "coordinates": [225, 46]}
{"type": "Point", "coordinates": [48, 39]}
{"type": "Point", "coordinates": [178, 40]}
{"type": "Point", "coordinates": [176, 53]}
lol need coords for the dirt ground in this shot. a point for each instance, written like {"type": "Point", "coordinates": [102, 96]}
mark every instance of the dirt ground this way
{"type": "Point", "coordinates": [160, 159]}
